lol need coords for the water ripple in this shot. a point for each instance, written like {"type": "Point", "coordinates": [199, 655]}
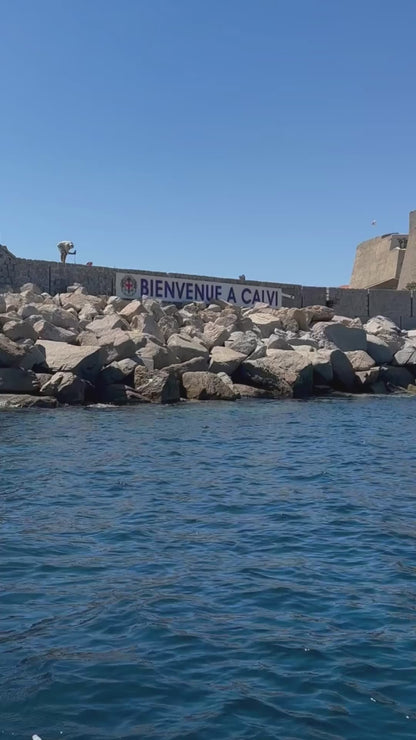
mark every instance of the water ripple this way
{"type": "Point", "coordinates": [209, 572]}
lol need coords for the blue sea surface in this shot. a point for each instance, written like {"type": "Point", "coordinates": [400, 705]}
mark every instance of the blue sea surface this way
{"type": "Point", "coordinates": [209, 571]}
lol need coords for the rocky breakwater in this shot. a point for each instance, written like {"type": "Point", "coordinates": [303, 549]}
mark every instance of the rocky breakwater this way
{"type": "Point", "coordinates": [75, 348]}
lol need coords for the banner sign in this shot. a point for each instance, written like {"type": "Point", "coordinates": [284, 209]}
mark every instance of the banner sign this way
{"type": "Point", "coordinates": [181, 290]}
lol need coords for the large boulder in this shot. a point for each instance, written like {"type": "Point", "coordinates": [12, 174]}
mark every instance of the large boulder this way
{"type": "Point", "coordinates": [119, 395]}
{"type": "Point", "coordinates": [206, 386]}
{"type": "Point", "coordinates": [160, 387]}
{"type": "Point", "coordinates": [320, 359]}
{"type": "Point", "coordinates": [106, 324]}
{"type": "Point", "coordinates": [360, 360]}
{"type": "Point", "coordinates": [66, 319]}
{"type": "Point", "coordinates": [116, 345]}
{"type": "Point", "coordinates": [186, 348]}
{"type": "Point", "coordinates": [34, 358]}
{"type": "Point", "coordinates": [45, 330]}
{"type": "Point", "coordinates": [287, 371]}
{"type": "Point", "coordinates": [25, 401]}
{"type": "Point", "coordinates": [367, 378]}
{"type": "Point", "coordinates": [396, 377]}
{"type": "Point", "coordinates": [243, 342]}
{"type": "Point", "coordinates": [266, 323]}
{"type": "Point", "coordinates": [344, 375]}
{"type": "Point", "coordinates": [11, 354]}
{"type": "Point", "coordinates": [147, 325]}
{"type": "Point", "coordinates": [86, 362]}
{"type": "Point", "coordinates": [381, 325]}
{"type": "Point", "coordinates": [347, 339]}
{"type": "Point", "coordinates": [156, 357]}
{"type": "Point", "coordinates": [17, 380]}
{"type": "Point", "coordinates": [16, 330]}
{"type": "Point", "coordinates": [197, 364]}
{"type": "Point", "coordinates": [379, 350]}
{"type": "Point", "coordinates": [78, 300]}
{"type": "Point", "coordinates": [277, 340]}
{"type": "Point", "coordinates": [215, 335]}
{"type": "Point", "coordinates": [225, 360]}
{"type": "Point", "coordinates": [133, 308]}
{"type": "Point", "coordinates": [168, 326]}
{"type": "Point", "coordinates": [66, 387]}
{"type": "Point", "coordinates": [406, 355]}
{"type": "Point", "coordinates": [121, 371]}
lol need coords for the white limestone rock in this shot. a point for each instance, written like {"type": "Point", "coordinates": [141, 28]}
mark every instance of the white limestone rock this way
{"type": "Point", "coordinates": [156, 356]}
{"type": "Point", "coordinates": [287, 369]}
{"type": "Point", "coordinates": [225, 360]}
{"type": "Point", "coordinates": [244, 342]}
{"type": "Point", "coordinates": [185, 348]}
{"type": "Point", "coordinates": [360, 360]}
{"type": "Point", "coordinates": [345, 338]}
{"type": "Point", "coordinates": [85, 361]}
{"type": "Point", "coordinates": [214, 335]}
{"type": "Point", "coordinates": [107, 324]}
{"type": "Point", "coordinates": [116, 345]}
{"type": "Point", "coordinates": [266, 323]}
{"type": "Point", "coordinates": [46, 330]}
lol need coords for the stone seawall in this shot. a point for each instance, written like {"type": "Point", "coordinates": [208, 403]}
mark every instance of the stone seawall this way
{"type": "Point", "coordinates": [53, 278]}
{"type": "Point", "coordinates": [80, 349]}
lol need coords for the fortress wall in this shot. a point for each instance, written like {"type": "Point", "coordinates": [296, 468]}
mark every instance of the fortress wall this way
{"type": "Point", "coordinates": [408, 271]}
{"type": "Point", "coordinates": [377, 261]}
{"type": "Point", "coordinates": [53, 277]}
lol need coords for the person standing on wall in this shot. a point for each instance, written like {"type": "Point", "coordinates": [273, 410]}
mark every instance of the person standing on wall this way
{"type": "Point", "coordinates": [65, 249]}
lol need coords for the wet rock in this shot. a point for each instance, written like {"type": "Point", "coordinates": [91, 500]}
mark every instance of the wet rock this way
{"type": "Point", "coordinates": [24, 401]}
{"type": "Point", "coordinates": [66, 387]}
{"type": "Point", "coordinates": [121, 371]}
{"type": "Point", "coordinates": [160, 387]}
{"type": "Point", "coordinates": [17, 380]}
{"type": "Point", "coordinates": [344, 375]}
{"type": "Point", "coordinates": [396, 377]}
{"type": "Point", "coordinates": [205, 386]}
{"type": "Point", "coordinates": [119, 395]}
{"type": "Point", "coordinates": [249, 391]}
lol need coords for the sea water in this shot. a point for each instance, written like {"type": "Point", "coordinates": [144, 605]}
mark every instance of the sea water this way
{"type": "Point", "coordinates": [209, 571]}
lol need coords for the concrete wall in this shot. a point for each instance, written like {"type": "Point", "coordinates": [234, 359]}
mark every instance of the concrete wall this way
{"type": "Point", "coordinates": [378, 262]}
{"type": "Point", "coordinates": [53, 277]}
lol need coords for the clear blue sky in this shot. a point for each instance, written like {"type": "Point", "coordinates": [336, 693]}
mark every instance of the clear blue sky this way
{"type": "Point", "coordinates": [213, 137]}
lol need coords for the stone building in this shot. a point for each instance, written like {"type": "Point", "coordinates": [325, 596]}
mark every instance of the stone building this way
{"type": "Point", "coordinates": [387, 261]}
